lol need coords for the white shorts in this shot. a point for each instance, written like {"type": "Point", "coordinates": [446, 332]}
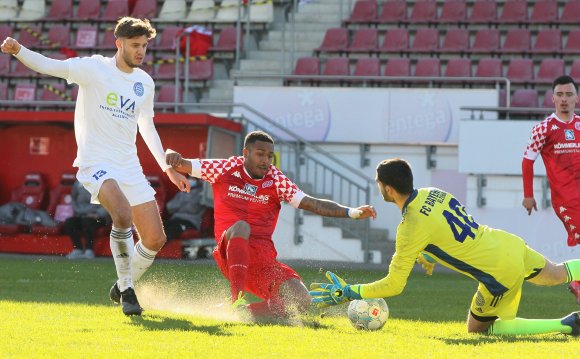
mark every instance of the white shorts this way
{"type": "Point", "coordinates": [132, 182]}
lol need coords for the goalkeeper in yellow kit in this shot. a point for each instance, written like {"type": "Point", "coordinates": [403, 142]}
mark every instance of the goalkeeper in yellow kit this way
{"type": "Point", "coordinates": [436, 226]}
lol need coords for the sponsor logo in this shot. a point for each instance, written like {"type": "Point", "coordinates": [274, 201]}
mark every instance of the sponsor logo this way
{"type": "Point", "coordinates": [569, 135]}
{"type": "Point", "coordinates": [555, 127]}
{"type": "Point", "coordinates": [572, 227]}
{"type": "Point", "coordinates": [576, 236]}
{"type": "Point", "coordinates": [559, 146]}
{"type": "Point", "coordinates": [567, 218]}
{"type": "Point", "coordinates": [250, 189]}
{"type": "Point", "coordinates": [138, 89]}
{"type": "Point", "coordinates": [267, 184]}
{"type": "Point", "coordinates": [562, 209]}
{"type": "Point", "coordinates": [237, 174]}
{"type": "Point", "coordinates": [120, 101]}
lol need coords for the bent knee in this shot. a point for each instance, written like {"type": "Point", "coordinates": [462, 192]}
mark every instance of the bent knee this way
{"type": "Point", "coordinates": [122, 218]}
{"type": "Point", "coordinates": [240, 229]}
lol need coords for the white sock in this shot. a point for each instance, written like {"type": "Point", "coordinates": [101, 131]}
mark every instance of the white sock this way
{"type": "Point", "coordinates": [142, 260]}
{"type": "Point", "coordinates": [122, 249]}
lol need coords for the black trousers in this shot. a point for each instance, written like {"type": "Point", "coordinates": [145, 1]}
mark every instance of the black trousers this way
{"type": "Point", "coordinates": [174, 227]}
{"type": "Point", "coordinates": [76, 227]}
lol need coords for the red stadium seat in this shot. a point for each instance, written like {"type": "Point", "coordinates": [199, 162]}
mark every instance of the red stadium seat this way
{"type": "Point", "coordinates": [489, 67]}
{"type": "Point", "coordinates": [108, 41]}
{"type": "Point", "coordinates": [398, 66]}
{"type": "Point", "coordinates": [335, 40]}
{"type": "Point", "coordinates": [115, 9]}
{"type": "Point", "coordinates": [167, 38]}
{"type": "Point", "coordinates": [573, 43]}
{"type": "Point", "coordinates": [59, 206]}
{"type": "Point", "coordinates": [86, 37]}
{"type": "Point", "coordinates": [167, 94]}
{"type": "Point", "coordinates": [3, 91]}
{"type": "Point", "coordinates": [88, 10]}
{"type": "Point", "coordinates": [165, 70]}
{"type": "Point", "coordinates": [32, 192]}
{"type": "Point", "coordinates": [48, 95]}
{"type": "Point", "coordinates": [21, 70]}
{"type": "Point", "coordinates": [520, 71]}
{"type": "Point", "coordinates": [426, 40]}
{"type": "Point", "coordinates": [29, 36]}
{"type": "Point", "coordinates": [575, 69]}
{"type": "Point", "coordinates": [486, 41]}
{"type": "Point", "coordinates": [60, 10]}
{"type": "Point", "coordinates": [336, 66]}
{"type": "Point", "coordinates": [570, 13]}
{"type": "Point", "coordinates": [201, 71]}
{"type": "Point", "coordinates": [548, 41]}
{"type": "Point", "coordinates": [145, 9]}
{"type": "Point", "coordinates": [370, 66]}
{"type": "Point", "coordinates": [459, 67]}
{"type": "Point", "coordinates": [456, 40]}
{"type": "Point", "coordinates": [483, 11]}
{"type": "Point", "coordinates": [547, 101]}
{"type": "Point", "coordinates": [58, 36]}
{"type": "Point", "coordinates": [514, 12]}
{"type": "Point", "coordinates": [5, 65]}
{"type": "Point", "coordinates": [306, 66]}
{"type": "Point", "coordinates": [544, 12]}
{"type": "Point", "coordinates": [524, 98]}
{"type": "Point", "coordinates": [364, 11]}
{"type": "Point", "coordinates": [453, 11]}
{"type": "Point", "coordinates": [5, 31]}
{"type": "Point", "coordinates": [549, 70]}
{"type": "Point", "coordinates": [428, 66]}
{"type": "Point", "coordinates": [394, 12]}
{"type": "Point", "coordinates": [517, 41]}
{"type": "Point", "coordinates": [226, 43]}
{"type": "Point", "coordinates": [423, 11]}
{"type": "Point", "coordinates": [396, 40]}
{"type": "Point", "coordinates": [148, 64]}
{"type": "Point", "coordinates": [24, 92]}
{"type": "Point", "coordinates": [364, 40]}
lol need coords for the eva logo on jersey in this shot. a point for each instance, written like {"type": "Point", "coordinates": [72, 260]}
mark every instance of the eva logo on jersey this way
{"type": "Point", "coordinates": [116, 100]}
{"type": "Point", "coordinates": [569, 134]}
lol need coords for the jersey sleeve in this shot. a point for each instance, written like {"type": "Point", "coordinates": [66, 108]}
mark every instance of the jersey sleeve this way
{"type": "Point", "coordinates": [411, 240]}
{"type": "Point", "coordinates": [286, 189]}
{"type": "Point", "coordinates": [212, 169]}
{"type": "Point", "coordinates": [80, 70]}
{"type": "Point", "coordinates": [536, 141]}
{"type": "Point", "coordinates": [43, 64]}
{"type": "Point", "coordinates": [149, 132]}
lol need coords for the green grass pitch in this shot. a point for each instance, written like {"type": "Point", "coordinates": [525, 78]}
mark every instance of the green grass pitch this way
{"type": "Point", "coordinates": [52, 307]}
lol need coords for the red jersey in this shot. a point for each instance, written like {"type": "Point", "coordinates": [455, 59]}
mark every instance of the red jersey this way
{"type": "Point", "coordinates": [237, 196]}
{"type": "Point", "coordinates": [559, 144]}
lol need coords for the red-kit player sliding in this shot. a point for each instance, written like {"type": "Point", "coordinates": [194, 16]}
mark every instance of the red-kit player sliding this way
{"type": "Point", "coordinates": [247, 192]}
{"type": "Point", "coordinates": [557, 139]}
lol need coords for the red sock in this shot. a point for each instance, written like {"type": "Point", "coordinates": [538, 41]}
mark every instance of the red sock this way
{"type": "Point", "coordinates": [273, 307]}
{"type": "Point", "coordinates": [238, 258]}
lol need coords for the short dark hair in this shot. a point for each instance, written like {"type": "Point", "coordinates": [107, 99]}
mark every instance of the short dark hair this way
{"type": "Point", "coordinates": [129, 27]}
{"type": "Point", "coordinates": [254, 136]}
{"type": "Point", "coordinates": [564, 80]}
{"type": "Point", "coordinates": [397, 173]}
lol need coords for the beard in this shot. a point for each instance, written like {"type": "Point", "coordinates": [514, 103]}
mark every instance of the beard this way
{"type": "Point", "coordinates": [129, 62]}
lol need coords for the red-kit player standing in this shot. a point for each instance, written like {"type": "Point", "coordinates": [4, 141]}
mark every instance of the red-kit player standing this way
{"type": "Point", "coordinates": [248, 191]}
{"type": "Point", "coordinates": [557, 139]}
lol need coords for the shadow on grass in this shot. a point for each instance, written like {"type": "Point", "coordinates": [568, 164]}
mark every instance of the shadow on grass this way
{"type": "Point", "coordinates": [160, 323]}
{"type": "Point", "coordinates": [484, 339]}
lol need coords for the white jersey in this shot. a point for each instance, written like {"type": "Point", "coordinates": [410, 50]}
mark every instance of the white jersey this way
{"type": "Point", "coordinates": [110, 107]}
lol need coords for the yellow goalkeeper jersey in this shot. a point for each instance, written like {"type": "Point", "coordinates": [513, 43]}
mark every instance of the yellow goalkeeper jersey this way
{"type": "Point", "coordinates": [435, 222]}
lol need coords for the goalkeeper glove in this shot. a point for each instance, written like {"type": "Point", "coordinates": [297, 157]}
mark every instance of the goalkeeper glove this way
{"type": "Point", "coordinates": [333, 293]}
{"type": "Point", "coordinates": [426, 262]}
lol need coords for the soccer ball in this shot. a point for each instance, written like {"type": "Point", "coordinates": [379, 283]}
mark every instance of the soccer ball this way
{"type": "Point", "coordinates": [368, 314]}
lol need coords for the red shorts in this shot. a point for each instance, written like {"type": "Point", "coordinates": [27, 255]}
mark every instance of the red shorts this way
{"type": "Point", "coordinates": [569, 214]}
{"type": "Point", "coordinates": [265, 273]}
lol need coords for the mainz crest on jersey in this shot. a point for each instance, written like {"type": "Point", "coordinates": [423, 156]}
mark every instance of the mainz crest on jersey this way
{"type": "Point", "coordinates": [250, 189]}
{"type": "Point", "coordinates": [267, 184]}
{"type": "Point", "coordinates": [577, 126]}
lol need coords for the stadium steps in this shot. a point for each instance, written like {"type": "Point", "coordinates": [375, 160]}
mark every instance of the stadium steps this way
{"type": "Point", "coordinates": [312, 20]}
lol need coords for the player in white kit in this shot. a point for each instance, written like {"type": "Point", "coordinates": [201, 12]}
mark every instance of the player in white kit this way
{"type": "Point", "coordinates": [115, 99]}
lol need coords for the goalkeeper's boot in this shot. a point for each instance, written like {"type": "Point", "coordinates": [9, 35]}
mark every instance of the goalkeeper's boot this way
{"type": "Point", "coordinates": [574, 287]}
{"type": "Point", "coordinates": [573, 321]}
{"type": "Point", "coordinates": [130, 303]}
{"type": "Point", "coordinates": [115, 294]}
{"type": "Point", "coordinates": [240, 304]}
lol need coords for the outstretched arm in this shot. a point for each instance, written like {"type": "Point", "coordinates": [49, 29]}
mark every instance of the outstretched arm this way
{"type": "Point", "coordinates": [34, 60]}
{"type": "Point", "coordinates": [329, 208]}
